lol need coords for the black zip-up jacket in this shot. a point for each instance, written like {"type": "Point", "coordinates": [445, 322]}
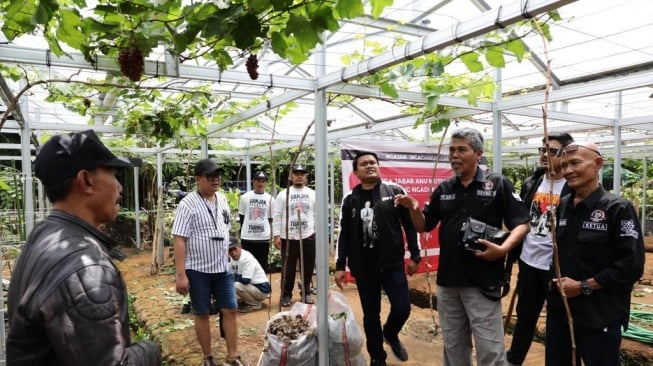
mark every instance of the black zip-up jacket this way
{"type": "Point", "coordinates": [67, 301]}
{"type": "Point", "coordinates": [601, 238]}
{"type": "Point", "coordinates": [389, 221]}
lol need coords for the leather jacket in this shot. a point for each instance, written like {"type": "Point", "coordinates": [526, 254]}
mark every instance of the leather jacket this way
{"type": "Point", "coordinates": [67, 302]}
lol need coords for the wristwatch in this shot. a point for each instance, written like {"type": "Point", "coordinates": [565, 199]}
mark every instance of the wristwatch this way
{"type": "Point", "coordinates": [585, 288]}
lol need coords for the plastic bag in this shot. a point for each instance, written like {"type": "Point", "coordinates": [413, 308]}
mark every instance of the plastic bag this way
{"type": "Point", "coordinates": [345, 336]}
{"type": "Point", "coordinates": [301, 351]}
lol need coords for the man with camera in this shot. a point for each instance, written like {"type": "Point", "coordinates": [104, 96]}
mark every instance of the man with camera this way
{"type": "Point", "coordinates": [469, 281]}
{"type": "Point", "coordinates": [201, 244]}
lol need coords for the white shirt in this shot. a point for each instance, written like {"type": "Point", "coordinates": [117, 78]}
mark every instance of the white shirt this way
{"type": "Point", "coordinates": [256, 209]}
{"type": "Point", "coordinates": [199, 220]}
{"type": "Point", "coordinates": [537, 250]}
{"type": "Point", "coordinates": [248, 267]}
{"type": "Point", "coordinates": [302, 199]}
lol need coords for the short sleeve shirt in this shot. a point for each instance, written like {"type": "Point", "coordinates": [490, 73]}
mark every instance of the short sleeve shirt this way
{"type": "Point", "coordinates": [489, 198]}
{"type": "Point", "coordinates": [205, 225]}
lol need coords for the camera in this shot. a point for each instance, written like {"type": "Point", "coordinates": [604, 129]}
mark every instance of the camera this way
{"type": "Point", "coordinates": [473, 229]}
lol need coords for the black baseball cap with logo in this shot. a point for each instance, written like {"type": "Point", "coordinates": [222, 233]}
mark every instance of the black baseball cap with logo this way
{"type": "Point", "coordinates": [299, 168]}
{"type": "Point", "coordinates": [260, 175]}
{"type": "Point", "coordinates": [232, 242]}
{"type": "Point", "coordinates": [63, 156]}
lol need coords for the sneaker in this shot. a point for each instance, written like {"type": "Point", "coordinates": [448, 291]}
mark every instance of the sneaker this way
{"type": "Point", "coordinates": [234, 362]}
{"type": "Point", "coordinates": [209, 361]}
{"type": "Point", "coordinates": [286, 300]}
{"type": "Point", "coordinates": [308, 300]}
{"type": "Point", "coordinates": [186, 308]}
{"type": "Point", "coordinates": [397, 348]}
{"type": "Point", "coordinates": [214, 307]}
{"type": "Point", "coordinates": [248, 308]}
{"type": "Point", "coordinates": [377, 362]}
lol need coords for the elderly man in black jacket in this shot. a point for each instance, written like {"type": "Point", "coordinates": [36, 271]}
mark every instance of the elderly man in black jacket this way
{"type": "Point", "coordinates": [372, 244]}
{"type": "Point", "coordinates": [601, 256]}
{"type": "Point", "coordinates": [67, 302]}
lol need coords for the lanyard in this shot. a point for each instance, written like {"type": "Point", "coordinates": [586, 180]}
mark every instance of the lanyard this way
{"type": "Point", "coordinates": [208, 208]}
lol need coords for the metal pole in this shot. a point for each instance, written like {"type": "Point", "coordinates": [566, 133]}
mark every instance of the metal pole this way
{"type": "Point", "coordinates": [496, 125]}
{"type": "Point", "coordinates": [137, 204]}
{"type": "Point", "coordinates": [616, 170]}
{"type": "Point", "coordinates": [301, 256]}
{"type": "Point", "coordinates": [321, 212]}
{"type": "Point", "coordinates": [332, 201]}
{"type": "Point", "coordinates": [644, 187]}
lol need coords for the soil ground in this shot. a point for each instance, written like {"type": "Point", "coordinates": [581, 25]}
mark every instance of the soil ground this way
{"type": "Point", "coordinates": [158, 306]}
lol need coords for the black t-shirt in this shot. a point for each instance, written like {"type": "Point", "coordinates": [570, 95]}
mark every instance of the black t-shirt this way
{"type": "Point", "coordinates": [370, 234]}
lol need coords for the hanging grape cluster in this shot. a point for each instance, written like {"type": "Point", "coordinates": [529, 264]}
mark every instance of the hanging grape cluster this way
{"type": "Point", "coordinates": [132, 63]}
{"type": "Point", "coordinates": [252, 66]}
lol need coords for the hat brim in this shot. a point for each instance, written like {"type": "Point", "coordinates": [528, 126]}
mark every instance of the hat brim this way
{"type": "Point", "coordinates": [119, 162]}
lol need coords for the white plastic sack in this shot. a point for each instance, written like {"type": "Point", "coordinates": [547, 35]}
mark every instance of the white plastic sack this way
{"type": "Point", "coordinates": [345, 336]}
{"type": "Point", "coordinates": [298, 352]}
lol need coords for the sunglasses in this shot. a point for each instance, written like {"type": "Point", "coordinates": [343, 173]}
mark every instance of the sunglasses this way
{"type": "Point", "coordinates": [552, 150]}
{"type": "Point", "coordinates": [574, 147]}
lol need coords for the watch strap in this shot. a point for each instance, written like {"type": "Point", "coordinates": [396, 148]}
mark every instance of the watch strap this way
{"type": "Point", "coordinates": [585, 288]}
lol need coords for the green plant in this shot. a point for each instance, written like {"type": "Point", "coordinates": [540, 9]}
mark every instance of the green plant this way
{"type": "Point", "coordinates": [274, 257]}
{"type": "Point", "coordinates": [137, 327]}
{"type": "Point", "coordinates": [190, 30]}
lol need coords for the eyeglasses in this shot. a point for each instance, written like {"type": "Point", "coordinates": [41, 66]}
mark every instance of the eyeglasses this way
{"type": "Point", "coordinates": [552, 150]}
{"type": "Point", "coordinates": [212, 176]}
{"type": "Point", "coordinates": [574, 147]}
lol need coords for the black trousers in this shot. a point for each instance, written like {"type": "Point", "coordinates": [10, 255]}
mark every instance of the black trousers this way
{"type": "Point", "coordinates": [595, 347]}
{"type": "Point", "coordinates": [260, 249]}
{"type": "Point", "coordinates": [395, 286]}
{"type": "Point", "coordinates": [532, 286]}
{"type": "Point", "coordinates": [290, 264]}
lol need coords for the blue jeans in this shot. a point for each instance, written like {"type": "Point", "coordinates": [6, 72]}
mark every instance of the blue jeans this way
{"type": "Point", "coordinates": [395, 286]}
{"type": "Point", "coordinates": [203, 285]}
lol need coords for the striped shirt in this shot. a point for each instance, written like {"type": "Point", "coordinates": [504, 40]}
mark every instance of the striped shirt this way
{"type": "Point", "coordinates": [200, 221]}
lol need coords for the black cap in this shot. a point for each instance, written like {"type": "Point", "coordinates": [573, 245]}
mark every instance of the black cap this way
{"type": "Point", "coordinates": [299, 168]}
{"type": "Point", "coordinates": [260, 175]}
{"type": "Point", "coordinates": [232, 242]}
{"type": "Point", "coordinates": [64, 155]}
{"type": "Point", "coordinates": [206, 166]}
